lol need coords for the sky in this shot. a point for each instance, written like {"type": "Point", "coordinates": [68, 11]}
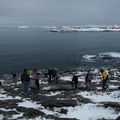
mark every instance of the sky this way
{"type": "Point", "coordinates": [60, 12]}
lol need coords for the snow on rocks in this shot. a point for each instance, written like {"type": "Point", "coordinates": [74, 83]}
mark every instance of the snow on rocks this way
{"type": "Point", "coordinates": [90, 112]}
{"type": "Point", "coordinates": [101, 96]}
{"type": "Point", "coordinates": [60, 101]}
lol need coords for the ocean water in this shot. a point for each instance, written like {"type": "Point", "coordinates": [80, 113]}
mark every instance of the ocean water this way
{"type": "Point", "coordinates": [36, 47]}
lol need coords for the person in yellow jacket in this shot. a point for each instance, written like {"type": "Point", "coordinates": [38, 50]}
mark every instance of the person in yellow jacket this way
{"type": "Point", "coordinates": [30, 72]}
{"type": "Point", "coordinates": [104, 74]}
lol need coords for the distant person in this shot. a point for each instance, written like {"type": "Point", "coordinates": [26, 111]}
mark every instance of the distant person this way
{"type": "Point", "coordinates": [105, 78]}
{"type": "Point", "coordinates": [49, 76]}
{"type": "Point", "coordinates": [14, 77]}
{"type": "Point", "coordinates": [88, 79]}
{"type": "Point", "coordinates": [74, 82]}
{"type": "Point", "coordinates": [25, 78]}
{"type": "Point", "coordinates": [0, 83]}
{"type": "Point", "coordinates": [37, 77]}
{"type": "Point", "coordinates": [54, 75]}
{"type": "Point", "coordinates": [33, 86]}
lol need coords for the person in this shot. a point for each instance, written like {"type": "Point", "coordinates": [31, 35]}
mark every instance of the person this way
{"type": "Point", "coordinates": [74, 82]}
{"type": "Point", "coordinates": [49, 76]}
{"type": "Point", "coordinates": [36, 77]}
{"type": "Point", "coordinates": [104, 78]}
{"type": "Point", "coordinates": [0, 83]}
{"type": "Point", "coordinates": [88, 79]}
{"type": "Point", "coordinates": [54, 75]}
{"type": "Point", "coordinates": [33, 86]}
{"type": "Point", "coordinates": [25, 78]}
{"type": "Point", "coordinates": [14, 77]}
{"type": "Point", "coordinates": [30, 72]}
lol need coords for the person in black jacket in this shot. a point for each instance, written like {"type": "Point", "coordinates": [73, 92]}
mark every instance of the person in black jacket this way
{"type": "Point", "coordinates": [74, 82]}
{"type": "Point", "coordinates": [25, 78]}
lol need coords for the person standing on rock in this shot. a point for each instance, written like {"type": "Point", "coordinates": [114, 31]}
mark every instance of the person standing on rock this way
{"type": "Point", "coordinates": [88, 79]}
{"type": "Point", "coordinates": [105, 78]}
{"type": "Point", "coordinates": [36, 77]}
{"type": "Point", "coordinates": [74, 82]}
{"type": "Point", "coordinates": [25, 78]}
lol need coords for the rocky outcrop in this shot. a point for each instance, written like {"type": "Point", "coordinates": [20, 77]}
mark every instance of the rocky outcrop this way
{"type": "Point", "coordinates": [59, 103]}
{"type": "Point", "coordinates": [9, 104]}
{"type": "Point", "coordinates": [112, 104]}
{"type": "Point", "coordinates": [30, 112]}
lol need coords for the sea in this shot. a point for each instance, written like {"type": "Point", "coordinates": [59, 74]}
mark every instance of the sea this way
{"type": "Point", "coordinates": [37, 47]}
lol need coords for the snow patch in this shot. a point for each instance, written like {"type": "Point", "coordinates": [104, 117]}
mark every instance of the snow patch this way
{"type": "Point", "coordinates": [101, 97]}
{"type": "Point", "coordinates": [90, 112]}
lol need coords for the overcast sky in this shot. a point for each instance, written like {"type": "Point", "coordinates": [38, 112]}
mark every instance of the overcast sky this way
{"type": "Point", "coordinates": [60, 12]}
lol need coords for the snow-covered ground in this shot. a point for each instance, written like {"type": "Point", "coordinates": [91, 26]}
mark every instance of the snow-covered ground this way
{"type": "Point", "coordinates": [90, 112]}
{"type": "Point", "coordinates": [83, 111]}
{"type": "Point", "coordinates": [102, 97]}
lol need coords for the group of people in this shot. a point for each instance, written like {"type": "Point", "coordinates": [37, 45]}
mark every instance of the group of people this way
{"type": "Point", "coordinates": [30, 80]}
{"type": "Point", "coordinates": [88, 79]}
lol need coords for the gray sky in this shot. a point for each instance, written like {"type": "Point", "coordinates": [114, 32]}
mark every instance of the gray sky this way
{"type": "Point", "coordinates": [60, 12]}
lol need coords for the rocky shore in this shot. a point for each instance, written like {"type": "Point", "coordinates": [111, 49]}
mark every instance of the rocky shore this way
{"type": "Point", "coordinates": [60, 101]}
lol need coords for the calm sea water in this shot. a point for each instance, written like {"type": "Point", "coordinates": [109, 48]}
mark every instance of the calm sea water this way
{"type": "Point", "coordinates": [38, 48]}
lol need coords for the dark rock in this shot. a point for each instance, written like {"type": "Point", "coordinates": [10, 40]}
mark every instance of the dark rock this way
{"type": "Point", "coordinates": [8, 112]}
{"type": "Point", "coordinates": [118, 88]}
{"type": "Point", "coordinates": [59, 103]}
{"type": "Point", "coordinates": [118, 118]}
{"type": "Point", "coordinates": [63, 111]}
{"type": "Point", "coordinates": [9, 104]}
{"type": "Point", "coordinates": [83, 100]}
{"type": "Point", "coordinates": [112, 104]}
{"type": "Point", "coordinates": [30, 112]}
{"type": "Point", "coordinates": [57, 118]}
